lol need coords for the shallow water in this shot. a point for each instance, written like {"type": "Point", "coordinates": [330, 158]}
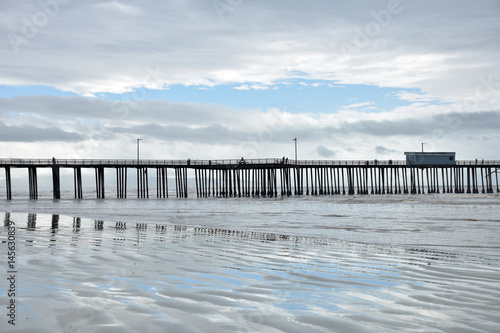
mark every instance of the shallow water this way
{"type": "Point", "coordinates": [445, 221]}
{"type": "Point", "coordinates": [422, 263]}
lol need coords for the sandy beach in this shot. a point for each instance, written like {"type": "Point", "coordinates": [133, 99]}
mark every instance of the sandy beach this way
{"type": "Point", "coordinates": [104, 276]}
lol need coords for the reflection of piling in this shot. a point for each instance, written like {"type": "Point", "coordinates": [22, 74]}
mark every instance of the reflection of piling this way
{"type": "Point", "coordinates": [161, 228]}
{"type": "Point", "coordinates": [141, 226]}
{"type": "Point", "coordinates": [55, 221]}
{"type": "Point", "coordinates": [98, 224]}
{"type": "Point", "coordinates": [77, 224]}
{"type": "Point", "coordinates": [121, 225]}
{"type": "Point", "coordinates": [31, 221]}
{"type": "Point", "coordinates": [6, 220]}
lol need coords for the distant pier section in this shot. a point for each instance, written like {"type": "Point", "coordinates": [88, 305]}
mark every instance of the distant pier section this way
{"type": "Point", "coordinates": [419, 173]}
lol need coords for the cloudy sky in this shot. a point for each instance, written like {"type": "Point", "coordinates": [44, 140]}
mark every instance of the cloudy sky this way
{"type": "Point", "coordinates": [210, 79]}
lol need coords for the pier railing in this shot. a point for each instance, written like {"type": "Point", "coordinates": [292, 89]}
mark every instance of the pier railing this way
{"type": "Point", "coordinates": [190, 162]}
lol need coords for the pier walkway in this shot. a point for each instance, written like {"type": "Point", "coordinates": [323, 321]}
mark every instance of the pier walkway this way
{"type": "Point", "coordinates": [269, 177]}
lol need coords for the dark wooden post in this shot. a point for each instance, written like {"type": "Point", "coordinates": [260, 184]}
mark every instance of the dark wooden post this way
{"type": "Point", "coordinates": [33, 183]}
{"type": "Point", "coordinates": [99, 176]}
{"type": "Point", "coordinates": [56, 182]}
{"type": "Point", "coordinates": [8, 183]}
{"type": "Point", "coordinates": [77, 177]}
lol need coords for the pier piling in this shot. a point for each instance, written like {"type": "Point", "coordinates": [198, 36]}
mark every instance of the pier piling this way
{"type": "Point", "coordinates": [99, 181]}
{"type": "Point", "coordinates": [77, 179]}
{"type": "Point", "coordinates": [56, 183]}
{"type": "Point", "coordinates": [8, 183]}
{"type": "Point", "coordinates": [33, 183]}
{"type": "Point", "coordinates": [269, 178]}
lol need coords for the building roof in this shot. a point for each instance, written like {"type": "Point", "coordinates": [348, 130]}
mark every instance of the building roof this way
{"type": "Point", "coordinates": [429, 153]}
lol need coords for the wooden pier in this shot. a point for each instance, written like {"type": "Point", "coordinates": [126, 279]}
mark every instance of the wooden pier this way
{"type": "Point", "coordinates": [267, 177]}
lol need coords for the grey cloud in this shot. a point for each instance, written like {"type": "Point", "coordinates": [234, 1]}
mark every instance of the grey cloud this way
{"type": "Point", "coordinates": [388, 127]}
{"type": "Point", "coordinates": [214, 134]}
{"type": "Point", "coordinates": [384, 151]}
{"type": "Point", "coordinates": [215, 123]}
{"type": "Point", "coordinates": [33, 134]}
{"type": "Point", "coordinates": [95, 108]}
{"type": "Point", "coordinates": [325, 152]}
{"type": "Point", "coordinates": [105, 46]}
{"type": "Point", "coordinates": [452, 122]}
{"type": "Point", "coordinates": [221, 134]}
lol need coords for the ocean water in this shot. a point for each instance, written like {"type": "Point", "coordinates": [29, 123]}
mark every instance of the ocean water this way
{"type": "Point", "coordinates": [376, 263]}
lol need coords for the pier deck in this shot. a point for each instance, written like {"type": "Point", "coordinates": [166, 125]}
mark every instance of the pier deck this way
{"type": "Point", "coordinates": [269, 177]}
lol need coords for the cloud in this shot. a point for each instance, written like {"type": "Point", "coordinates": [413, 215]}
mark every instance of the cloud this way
{"type": "Point", "coordinates": [384, 151]}
{"type": "Point", "coordinates": [441, 56]}
{"type": "Point", "coordinates": [108, 46]}
{"type": "Point", "coordinates": [81, 108]}
{"type": "Point", "coordinates": [77, 117]}
{"type": "Point", "coordinates": [214, 134]}
{"type": "Point", "coordinates": [242, 87]}
{"type": "Point", "coordinates": [363, 105]}
{"type": "Point", "coordinates": [325, 152]}
{"type": "Point", "coordinates": [29, 133]}
{"type": "Point", "coordinates": [413, 97]}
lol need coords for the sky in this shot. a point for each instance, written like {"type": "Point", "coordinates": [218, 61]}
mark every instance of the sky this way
{"type": "Point", "coordinates": [220, 79]}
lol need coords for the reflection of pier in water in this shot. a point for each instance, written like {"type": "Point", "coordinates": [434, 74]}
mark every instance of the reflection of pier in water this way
{"type": "Point", "coordinates": [268, 177]}
{"type": "Point", "coordinates": [100, 234]}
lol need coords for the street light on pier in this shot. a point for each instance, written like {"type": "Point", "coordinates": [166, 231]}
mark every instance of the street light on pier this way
{"type": "Point", "coordinates": [423, 146]}
{"type": "Point", "coordinates": [295, 150]}
{"type": "Point", "coordinates": [138, 151]}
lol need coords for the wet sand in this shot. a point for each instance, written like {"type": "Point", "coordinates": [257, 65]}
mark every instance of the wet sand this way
{"type": "Point", "coordinates": [89, 276]}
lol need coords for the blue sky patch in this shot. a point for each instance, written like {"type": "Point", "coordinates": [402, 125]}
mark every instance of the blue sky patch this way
{"type": "Point", "coordinates": [295, 96]}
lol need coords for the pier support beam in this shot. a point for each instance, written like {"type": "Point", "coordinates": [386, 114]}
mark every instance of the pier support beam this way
{"type": "Point", "coordinates": [142, 183]}
{"type": "Point", "coordinates": [99, 181]}
{"type": "Point", "coordinates": [161, 183]}
{"type": "Point", "coordinates": [121, 182]}
{"type": "Point", "coordinates": [33, 183]}
{"type": "Point", "coordinates": [8, 183]}
{"type": "Point", "coordinates": [56, 182]}
{"type": "Point", "coordinates": [489, 180]}
{"type": "Point", "coordinates": [262, 179]}
{"type": "Point", "coordinates": [181, 182]}
{"type": "Point", "coordinates": [77, 179]}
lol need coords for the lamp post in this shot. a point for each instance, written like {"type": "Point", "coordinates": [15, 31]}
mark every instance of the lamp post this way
{"type": "Point", "coordinates": [138, 150]}
{"type": "Point", "coordinates": [295, 139]}
{"type": "Point", "coordinates": [423, 146]}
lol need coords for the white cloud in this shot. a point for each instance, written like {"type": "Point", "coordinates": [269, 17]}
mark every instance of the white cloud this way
{"type": "Point", "coordinates": [445, 50]}
{"type": "Point", "coordinates": [242, 87]}
{"type": "Point", "coordinates": [83, 128]}
{"type": "Point", "coordinates": [414, 97]}
{"type": "Point", "coordinates": [442, 48]}
{"type": "Point", "coordinates": [358, 105]}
